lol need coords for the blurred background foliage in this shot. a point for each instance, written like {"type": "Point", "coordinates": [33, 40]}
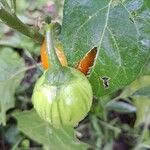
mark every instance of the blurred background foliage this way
{"type": "Point", "coordinates": [120, 120]}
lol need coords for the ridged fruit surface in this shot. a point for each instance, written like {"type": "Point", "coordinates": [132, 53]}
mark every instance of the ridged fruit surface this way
{"type": "Point", "coordinates": [64, 99]}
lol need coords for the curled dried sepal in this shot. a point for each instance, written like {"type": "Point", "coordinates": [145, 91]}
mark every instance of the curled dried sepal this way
{"type": "Point", "coordinates": [59, 51]}
{"type": "Point", "coordinates": [87, 61]}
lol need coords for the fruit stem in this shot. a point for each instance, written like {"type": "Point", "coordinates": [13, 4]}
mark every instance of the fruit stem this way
{"type": "Point", "coordinates": [52, 56]}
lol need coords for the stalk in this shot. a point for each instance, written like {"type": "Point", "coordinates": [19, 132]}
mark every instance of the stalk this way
{"type": "Point", "coordinates": [15, 23]}
{"type": "Point", "coordinates": [52, 56]}
{"type": "Point", "coordinates": [5, 5]}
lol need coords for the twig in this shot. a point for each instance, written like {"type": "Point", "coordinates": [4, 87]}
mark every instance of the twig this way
{"type": "Point", "coordinates": [5, 5]}
{"type": "Point", "coordinates": [21, 70]}
{"type": "Point", "coordinates": [15, 23]}
{"type": "Point", "coordinates": [108, 126]}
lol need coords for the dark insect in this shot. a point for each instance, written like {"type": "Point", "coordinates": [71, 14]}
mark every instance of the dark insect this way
{"type": "Point", "coordinates": [105, 81]}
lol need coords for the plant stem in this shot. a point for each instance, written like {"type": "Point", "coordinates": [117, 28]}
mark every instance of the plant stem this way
{"type": "Point", "coordinates": [5, 5]}
{"type": "Point", "coordinates": [108, 126]}
{"type": "Point", "coordinates": [13, 22]}
{"type": "Point", "coordinates": [52, 56]}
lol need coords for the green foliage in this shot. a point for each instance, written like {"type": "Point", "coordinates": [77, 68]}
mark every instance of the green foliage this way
{"type": "Point", "coordinates": [120, 115]}
{"type": "Point", "coordinates": [15, 41]}
{"type": "Point", "coordinates": [119, 29]}
{"type": "Point", "coordinates": [31, 124]}
{"type": "Point", "coordinates": [142, 101]}
{"type": "Point", "coordinates": [121, 107]}
{"type": "Point", "coordinates": [143, 91]}
{"type": "Point", "coordinates": [10, 63]}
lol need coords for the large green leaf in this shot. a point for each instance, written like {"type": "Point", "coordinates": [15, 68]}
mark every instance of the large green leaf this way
{"type": "Point", "coordinates": [10, 78]}
{"type": "Point", "coordinates": [32, 125]}
{"type": "Point", "coordinates": [121, 31]}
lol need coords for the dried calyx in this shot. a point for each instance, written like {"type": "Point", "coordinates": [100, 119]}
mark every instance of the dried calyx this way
{"type": "Point", "coordinates": [63, 95]}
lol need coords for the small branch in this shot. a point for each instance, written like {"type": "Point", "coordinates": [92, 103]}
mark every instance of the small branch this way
{"type": "Point", "coordinates": [108, 126]}
{"type": "Point", "coordinates": [13, 22]}
{"type": "Point", "coordinates": [5, 5]}
{"type": "Point", "coordinates": [23, 70]}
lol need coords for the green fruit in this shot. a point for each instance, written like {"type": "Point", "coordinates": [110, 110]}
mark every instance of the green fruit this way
{"type": "Point", "coordinates": [62, 97]}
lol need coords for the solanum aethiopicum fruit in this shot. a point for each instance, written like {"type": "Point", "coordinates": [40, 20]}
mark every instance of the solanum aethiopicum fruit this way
{"type": "Point", "coordinates": [64, 98]}
{"type": "Point", "coordinates": [63, 95]}
{"type": "Point", "coordinates": [59, 52]}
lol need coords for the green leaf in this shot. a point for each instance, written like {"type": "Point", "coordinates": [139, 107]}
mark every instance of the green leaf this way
{"type": "Point", "coordinates": [121, 31]}
{"type": "Point", "coordinates": [139, 92]}
{"type": "Point", "coordinates": [143, 110]}
{"type": "Point", "coordinates": [146, 144]}
{"type": "Point", "coordinates": [146, 69]}
{"type": "Point", "coordinates": [20, 41]}
{"type": "Point", "coordinates": [12, 135]}
{"type": "Point", "coordinates": [121, 107]}
{"type": "Point", "coordinates": [32, 125]}
{"type": "Point", "coordinates": [143, 91]}
{"type": "Point", "coordinates": [108, 146]}
{"type": "Point", "coordinates": [10, 63]}
{"type": "Point", "coordinates": [138, 84]}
